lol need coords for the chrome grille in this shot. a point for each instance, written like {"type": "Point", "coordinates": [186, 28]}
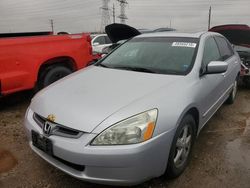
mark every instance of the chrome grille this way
{"type": "Point", "coordinates": [39, 120]}
{"type": "Point", "coordinates": [59, 130]}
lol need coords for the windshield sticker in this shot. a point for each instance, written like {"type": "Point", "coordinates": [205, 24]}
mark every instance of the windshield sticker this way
{"type": "Point", "coordinates": [184, 44]}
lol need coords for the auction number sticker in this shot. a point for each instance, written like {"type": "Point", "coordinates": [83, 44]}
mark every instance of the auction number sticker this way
{"type": "Point", "coordinates": [184, 44]}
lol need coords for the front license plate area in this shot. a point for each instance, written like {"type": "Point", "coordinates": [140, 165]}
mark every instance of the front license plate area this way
{"type": "Point", "coordinates": [42, 143]}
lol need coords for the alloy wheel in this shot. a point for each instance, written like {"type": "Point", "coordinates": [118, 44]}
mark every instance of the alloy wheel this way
{"type": "Point", "coordinates": [183, 146]}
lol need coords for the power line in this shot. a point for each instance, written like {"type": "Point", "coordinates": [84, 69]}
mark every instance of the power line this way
{"type": "Point", "coordinates": [123, 17]}
{"type": "Point", "coordinates": [105, 14]}
{"type": "Point", "coordinates": [52, 25]}
{"type": "Point", "coordinates": [113, 13]}
{"type": "Point", "coordinates": [209, 17]}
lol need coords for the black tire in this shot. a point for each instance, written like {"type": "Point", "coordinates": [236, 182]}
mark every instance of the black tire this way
{"type": "Point", "coordinates": [52, 74]}
{"type": "Point", "coordinates": [174, 170]}
{"type": "Point", "coordinates": [246, 81]}
{"type": "Point", "coordinates": [233, 93]}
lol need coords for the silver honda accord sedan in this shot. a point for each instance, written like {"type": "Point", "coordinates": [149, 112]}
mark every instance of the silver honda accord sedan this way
{"type": "Point", "coordinates": [135, 114]}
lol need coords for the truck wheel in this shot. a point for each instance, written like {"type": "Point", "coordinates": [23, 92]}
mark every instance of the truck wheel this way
{"type": "Point", "coordinates": [53, 74]}
{"type": "Point", "coordinates": [181, 147]}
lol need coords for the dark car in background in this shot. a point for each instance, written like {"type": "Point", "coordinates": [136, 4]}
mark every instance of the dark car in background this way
{"type": "Point", "coordinates": [118, 34]}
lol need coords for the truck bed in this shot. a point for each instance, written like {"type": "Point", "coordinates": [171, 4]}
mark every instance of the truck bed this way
{"type": "Point", "coordinates": [22, 58]}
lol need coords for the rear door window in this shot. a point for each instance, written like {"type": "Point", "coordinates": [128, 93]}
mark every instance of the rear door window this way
{"type": "Point", "coordinates": [225, 48]}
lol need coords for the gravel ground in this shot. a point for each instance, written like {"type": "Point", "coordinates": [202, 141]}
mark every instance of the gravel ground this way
{"type": "Point", "coordinates": [221, 155]}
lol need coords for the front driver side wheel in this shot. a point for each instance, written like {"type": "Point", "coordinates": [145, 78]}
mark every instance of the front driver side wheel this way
{"type": "Point", "coordinates": [181, 147]}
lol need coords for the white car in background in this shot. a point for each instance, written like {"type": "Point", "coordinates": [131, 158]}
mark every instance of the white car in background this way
{"type": "Point", "coordinates": [99, 42]}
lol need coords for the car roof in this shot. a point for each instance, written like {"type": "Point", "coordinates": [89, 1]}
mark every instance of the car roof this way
{"type": "Point", "coordinates": [172, 34]}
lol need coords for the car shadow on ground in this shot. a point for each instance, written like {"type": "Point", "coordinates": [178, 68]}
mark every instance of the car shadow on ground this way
{"type": "Point", "coordinates": [15, 99]}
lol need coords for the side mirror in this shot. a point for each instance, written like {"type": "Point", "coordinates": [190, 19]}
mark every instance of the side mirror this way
{"type": "Point", "coordinates": [96, 44]}
{"type": "Point", "coordinates": [216, 67]}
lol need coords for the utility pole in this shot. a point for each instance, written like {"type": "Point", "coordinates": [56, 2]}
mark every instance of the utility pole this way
{"type": "Point", "coordinates": [113, 13]}
{"type": "Point", "coordinates": [105, 14]}
{"type": "Point", "coordinates": [123, 16]}
{"type": "Point", "coordinates": [209, 17]}
{"type": "Point", "coordinates": [52, 25]}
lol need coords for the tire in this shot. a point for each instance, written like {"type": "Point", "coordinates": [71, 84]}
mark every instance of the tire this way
{"type": "Point", "coordinates": [52, 74]}
{"type": "Point", "coordinates": [246, 81]}
{"type": "Point", "coordinates": [181, 148]}
{"type": "Point", "coordinates": [233, 93]}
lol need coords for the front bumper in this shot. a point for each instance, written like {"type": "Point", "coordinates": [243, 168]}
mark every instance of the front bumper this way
{"type": "Point", "coordinates": [113, 165]}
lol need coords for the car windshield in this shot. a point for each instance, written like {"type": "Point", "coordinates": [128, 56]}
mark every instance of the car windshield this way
{"type": "Point", "coordinates": [162, 55]}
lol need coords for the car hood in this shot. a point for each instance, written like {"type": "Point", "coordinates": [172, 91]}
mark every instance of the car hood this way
{"type": "Point", "coordinates": [86, 98]}
{"type": "Point", "coordinates": [236, 34]}
{"type": "Point", "coordinates": [117, 32]}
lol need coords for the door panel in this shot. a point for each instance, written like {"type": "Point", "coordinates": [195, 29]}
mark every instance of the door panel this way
{"type": "Point", "coordinates": [211, 85]}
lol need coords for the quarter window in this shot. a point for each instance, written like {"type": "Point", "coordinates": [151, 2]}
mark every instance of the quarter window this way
{"type": "Point", "coordinates": [211, 52]}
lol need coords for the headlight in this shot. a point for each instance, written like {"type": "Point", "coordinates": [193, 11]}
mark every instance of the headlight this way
{"type": "Point", "coordinates": [135, 129]}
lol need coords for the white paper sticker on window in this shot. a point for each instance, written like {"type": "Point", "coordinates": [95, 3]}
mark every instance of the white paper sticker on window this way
{"type": "Point", "coordinates": [184, 44]}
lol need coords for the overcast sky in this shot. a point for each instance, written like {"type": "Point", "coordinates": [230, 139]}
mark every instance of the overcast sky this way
{"type": "Point", "coordinates": [85, 15]}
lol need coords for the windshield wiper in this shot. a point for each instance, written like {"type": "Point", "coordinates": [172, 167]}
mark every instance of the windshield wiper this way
{"type": "Point", "coordinates": [139, 69]}
{"type": "Point", "coordinates": [102, 65]}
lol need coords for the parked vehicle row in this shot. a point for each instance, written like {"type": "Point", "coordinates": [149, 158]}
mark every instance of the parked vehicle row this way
{"type": "Point", "coordinates": [135, 114]}
{"type": "Point", "coordinates": [35, 60]}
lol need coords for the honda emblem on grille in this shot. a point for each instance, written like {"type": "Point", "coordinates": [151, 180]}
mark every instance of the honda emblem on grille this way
{"type": "Point", "coordinates": [47, 127]}
{"type": "Point", "coordinates": [51, 117]}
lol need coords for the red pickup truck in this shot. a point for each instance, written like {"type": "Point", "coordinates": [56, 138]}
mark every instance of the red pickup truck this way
{"type": "Point", "coordinates": [28, 62]}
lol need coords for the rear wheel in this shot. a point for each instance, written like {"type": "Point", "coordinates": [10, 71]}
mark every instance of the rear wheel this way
{"type": "Point", "coordinates": [52, 74]}
{"type": "Point", "coordinates": [181, 147]}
